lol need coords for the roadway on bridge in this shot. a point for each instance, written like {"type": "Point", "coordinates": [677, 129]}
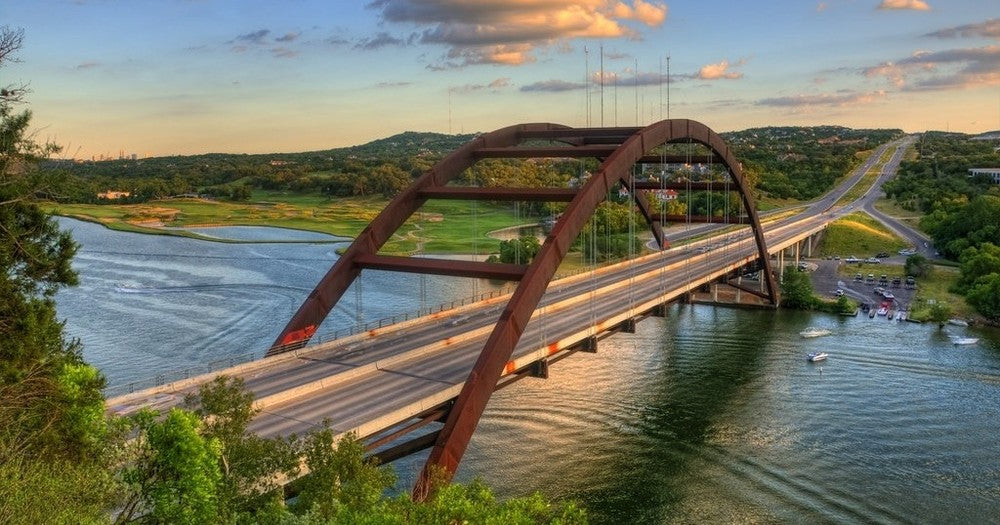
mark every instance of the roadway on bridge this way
{"type": "Point", "coordinates": [367, 383]}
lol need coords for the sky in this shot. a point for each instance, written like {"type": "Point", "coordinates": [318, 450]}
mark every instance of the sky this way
{"type": "Point", "coordinates": [243, 76]}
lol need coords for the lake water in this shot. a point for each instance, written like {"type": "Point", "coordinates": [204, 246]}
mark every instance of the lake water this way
{"type": "Point", "coordinates": [710, 415]}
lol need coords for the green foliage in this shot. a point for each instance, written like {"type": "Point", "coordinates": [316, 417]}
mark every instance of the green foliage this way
{"type": "Point", "coordinates": [518, 251]}
{"type": "Point", "coordinates": [977, 263]}
{"type": "Point", "coordinates": [844, 305]}
{"type": "Point", "coordinates": [341, 487]}
{"type": "Point", "coordinates": [966, 225]}
{"type": "Point", "coordinates": [475, 503]}
{"type": "Point", "coordinates": [984, 296]}
{"type": "Point", "coordinates": [939, 313]}
{"type": "Point", "coordinates": [797, 291]}
{"type": "Point", "coordinates": [938, 178]}
{"type": "Point", "coordinates": [176, 473]}
{"type": "Point", "coordinates": [248, 463]}
{"type": "Point", "coordinates": [34, 490]}
{"type": "Point", "coordinates": [918, 266]}
{"type": "Point", "coordinates": [801, 162]}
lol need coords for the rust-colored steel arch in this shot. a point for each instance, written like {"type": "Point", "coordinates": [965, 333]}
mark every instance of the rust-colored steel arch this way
{"type": "Point", "coordinates": [620, 149]}
{"type": "Point", "coordinates": [464, 416]}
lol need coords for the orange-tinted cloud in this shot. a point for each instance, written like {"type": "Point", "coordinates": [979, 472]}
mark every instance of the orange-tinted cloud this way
{"type": "Point", "coordinates": [838, 99]}
{"type": "Point", "coordinates": [720, 70]}
{"type": "Point", "coordinates": [916, 5]}
{"type": "Point", "coordinates": [507, 32]}
{"type": "Point", "coordinates": [948, 69]}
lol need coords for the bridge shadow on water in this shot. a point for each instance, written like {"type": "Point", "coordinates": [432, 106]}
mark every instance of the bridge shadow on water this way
{"type": "Point", "coordinates": [706, 364]}
{"type": "Point", "coordinates": [624, 430]}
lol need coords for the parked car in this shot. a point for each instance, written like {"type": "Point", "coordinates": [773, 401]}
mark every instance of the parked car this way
{"type": "Point", "coordinates": [872, 260]}
{"type": "Point", "coordinates": [882, 255]}
{"type": "Point", "coordinates": [852, 259]}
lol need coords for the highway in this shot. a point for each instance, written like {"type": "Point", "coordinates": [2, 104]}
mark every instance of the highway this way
{"type": "Point", "coordinates": [375, 381]}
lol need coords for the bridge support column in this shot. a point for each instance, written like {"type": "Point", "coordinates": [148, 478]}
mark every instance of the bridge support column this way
{"type": "Point", "coordinates": [715, 292]}
{"type": "Point", "coordinates": [659, 310]}
{"type": "Point", "coordinates": [540, 369]}
{"type": "Point", "coordinates": [739, 296]}
{"type": "Point", "coordinates": [627, 326]}
{"type": "Point", "coordinates": [588, 345]}
{"type": "Point", "coordinates": [809, 245]}
{"type": "Point", "coordinates": [797, 253]}
{"type": "Point", "coordinates": [781, 265]}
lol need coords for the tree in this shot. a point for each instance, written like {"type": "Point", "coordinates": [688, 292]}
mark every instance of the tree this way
{"type": "Point", "coordinates": [518, 251]}
{"type": "Point", "coordinates": [341, 486]}
{"type": "Point", "coordinates": [175, 475]}
{"type": "Point", "coordinates": [984, 296]}
{"type": "Point", "coordinates": [917, 265]}
{"type": "Point", "coordinates": [797, 291]}
{"type": "Point", "coordinates": [939, 313]}
{"type": "Point", "coordinates": [978, 263]}
{"type": "Point", "coordinates": [248, 463]}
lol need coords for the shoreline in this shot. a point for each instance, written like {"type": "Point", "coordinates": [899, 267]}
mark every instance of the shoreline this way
{"type": "Point", "coordinates": [184, 233]}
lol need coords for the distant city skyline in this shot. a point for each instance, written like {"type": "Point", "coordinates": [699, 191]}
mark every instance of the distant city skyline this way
{"type": "Point", "coordinates": [186, 77]}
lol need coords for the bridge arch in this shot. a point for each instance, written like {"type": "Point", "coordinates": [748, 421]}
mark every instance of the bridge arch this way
{"type": "Point", "coordinates": [620, 149]}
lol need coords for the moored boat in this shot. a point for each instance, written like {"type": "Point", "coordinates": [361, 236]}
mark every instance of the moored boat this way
{"type": "Point", "coordinates": [964, 340]}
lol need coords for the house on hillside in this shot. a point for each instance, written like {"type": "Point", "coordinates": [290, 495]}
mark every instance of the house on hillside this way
{"type": "Point", "coordinates": [993, 173]}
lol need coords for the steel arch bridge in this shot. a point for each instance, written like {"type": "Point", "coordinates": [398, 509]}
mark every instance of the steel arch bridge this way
{"type": "Point", "coordinates": [619, 149]}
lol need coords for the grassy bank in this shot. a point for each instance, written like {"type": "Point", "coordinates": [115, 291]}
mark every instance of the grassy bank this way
{"type": "Point", "coordinates": [867, 180]}
{"type": "Point", "coordinates": [440, 226]}
{"type": "Point", "coordinates": [860, 235]}
{"type": "Point", "coordinates": [936, 288]}
{"type": "Point", "coordinates": [890, 208]}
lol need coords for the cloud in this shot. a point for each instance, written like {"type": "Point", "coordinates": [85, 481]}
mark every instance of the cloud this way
{"type": "Point", "coordinates": [820, 7]}
{"type": "Point", "coordinates": [494, 86]}
{"type": "Point", "coordinates": [288, 37]}
{"type": "Point", "coordinates": [283, 52]}
{"type": "Point", "coordinates": [254, 37]}
{"type": "Point", "coordinates": [987, 29]}
{"type": "Point", "coordinates": [720, 71]}
{"type": "Point", "coordinates": [838, 99]}
{"type": "Point", "coordinates": [553, 86]}
{"type": "Point", "coordinates": [947, 69]}
{"type": "Point", "coordinates": [393, 84]}
{"type": "Point", "coordinates": [916, 5]}
{"type": "Point", "coordinates": [616, 56]}
{"type": "Point", "coordinates": [87, 65]}
{"type": "Point", "coordinates": [511, 32]}
{"type": "Point", "coordinates": [380, 40]}
{"type": "Point", "coordinates": [337, 41]}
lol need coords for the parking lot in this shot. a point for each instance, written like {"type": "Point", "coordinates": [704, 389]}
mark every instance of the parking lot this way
{"type": "Point", "coordinates": [874, 279]}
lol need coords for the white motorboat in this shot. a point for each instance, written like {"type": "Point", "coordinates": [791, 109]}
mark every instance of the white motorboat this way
{"type": "Point", "coordinates": [964, 340]}
{"type": "Point", "coordinates": [816, 356]}
{"type": "Point", "coordinates": [814, 332]}
{"type": "Point", "coordinates": [957, 322]}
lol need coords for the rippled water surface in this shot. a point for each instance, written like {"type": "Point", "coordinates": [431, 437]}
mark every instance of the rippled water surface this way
{"type": "Point", "coordinates": [710, 415]}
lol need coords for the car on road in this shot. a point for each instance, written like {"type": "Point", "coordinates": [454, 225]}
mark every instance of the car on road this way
{"type": "Point", "coordinates": [908, 251]}
{"type": "Point", "coordinates": [881, 255]}
{"type": "Point", "coordinates": [852, 259]}
{"type": "Point", "coordinates": [840, 292]}
{"type": "Point", "coordinates": [872, 260]}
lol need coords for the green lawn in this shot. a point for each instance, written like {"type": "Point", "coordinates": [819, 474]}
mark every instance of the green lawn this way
{"type": "Point", "coordinates": [439, 227]}
{"type": "Point", "coordinates": [890, 208]}
{"type": "Point", "coordinates": [859, 235]}
{"type": "Point", "coordinates": [936, 287]}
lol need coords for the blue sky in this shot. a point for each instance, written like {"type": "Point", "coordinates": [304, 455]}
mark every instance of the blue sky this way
{"type": "Point", "coordinates": [195, 76]}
